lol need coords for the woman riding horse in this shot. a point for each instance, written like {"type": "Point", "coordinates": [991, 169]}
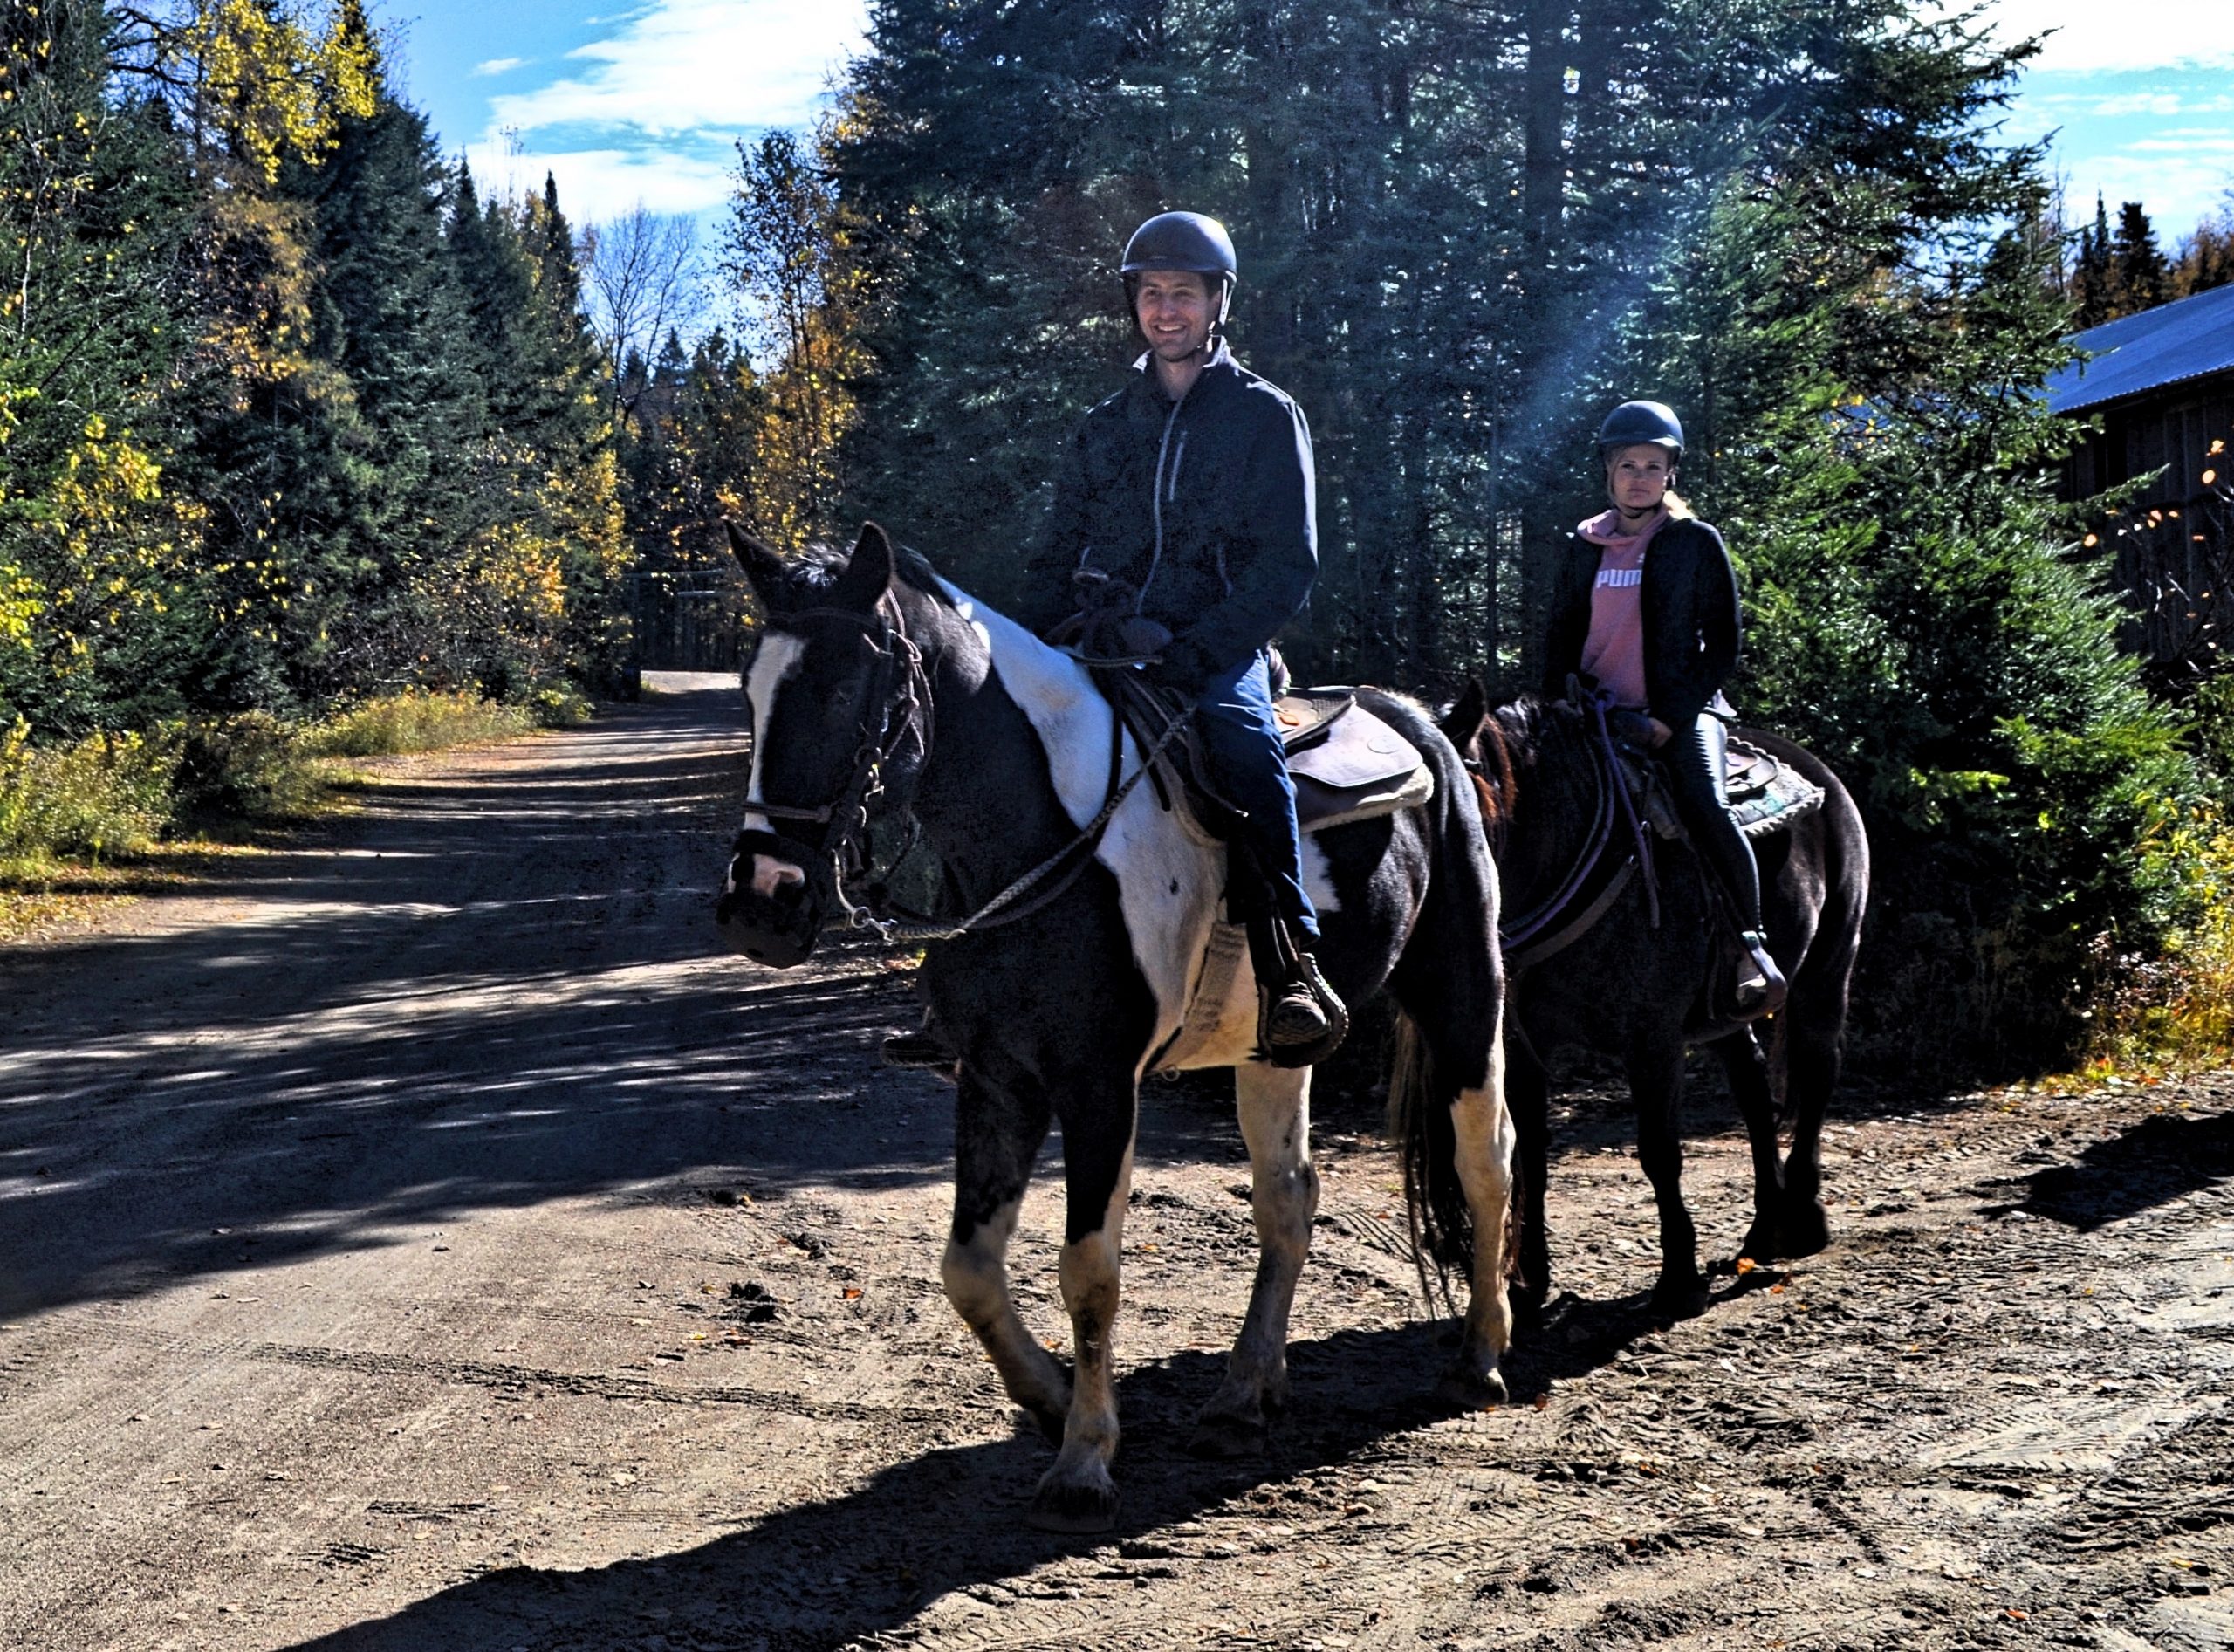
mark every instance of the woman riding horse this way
{"type": "Point", "coordinates": [1645, 612]}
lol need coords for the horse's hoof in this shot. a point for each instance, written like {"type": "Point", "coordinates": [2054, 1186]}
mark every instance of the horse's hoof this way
{"type": "Point", "coordinates": [1074, 1507]}
{"type": "Point", "coordinates": [1681, 1298]}
{"type": "Point", "coordinates": [1050, 1423]}
{"type": "Point", "coordinates": [1463, 1390]}
{"type": "Point", "coordinates": [1225, 1435]}
{"type": "Point", "coordinates": [1805, 1227]}
{"type": "Point", "coordinates": [1762, 1243]}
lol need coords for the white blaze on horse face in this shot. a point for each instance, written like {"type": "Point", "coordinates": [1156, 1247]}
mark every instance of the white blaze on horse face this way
{"type": "Point", "coordinates": [776, 660]}
{"type": "Point", "coordinates": [1167, 883]}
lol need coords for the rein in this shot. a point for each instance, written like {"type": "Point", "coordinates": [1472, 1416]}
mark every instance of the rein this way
{"type": "Point", "coordinates": [1552, 926]}
{"type": "Point", "coordinates": [847, 817]}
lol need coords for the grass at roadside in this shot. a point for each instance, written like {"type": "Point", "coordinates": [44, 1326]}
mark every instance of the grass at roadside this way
{"type": "Point", "coordinates": [2173, 1011]}
{"type": "Point", "coordinates": [116, 816]}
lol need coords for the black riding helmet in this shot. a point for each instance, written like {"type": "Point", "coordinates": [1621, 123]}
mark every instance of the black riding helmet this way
{"type": "Point", "coordinates": [1183, 241]}
{"type": "Point", "coordinates": [1634, 422]}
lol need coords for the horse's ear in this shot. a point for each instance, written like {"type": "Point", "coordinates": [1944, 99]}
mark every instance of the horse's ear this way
{"type": "Point", "coordinates": [869, 571]}
{"type": "Point", "coordinates": [761, 564]}
{"type": "Point", "coordinates": [1464, 721]}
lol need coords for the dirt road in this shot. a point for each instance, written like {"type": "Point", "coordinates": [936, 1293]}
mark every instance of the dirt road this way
{"type": "Point", "coordinates": [424, 1242]}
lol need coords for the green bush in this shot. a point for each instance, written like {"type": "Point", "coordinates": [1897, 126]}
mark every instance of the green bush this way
{"type": "Point", "coordinates": [249, 767]}
{"type": "Point", "coordinates": [106, 795]}
{"type": "Point", "coordinates": [559, 705]}
{"type": "Point", "coordinates": [416, 721]}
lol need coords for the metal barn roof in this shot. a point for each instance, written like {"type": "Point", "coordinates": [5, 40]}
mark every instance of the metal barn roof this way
{"type": "Point", "coordinates": [2140, 353]}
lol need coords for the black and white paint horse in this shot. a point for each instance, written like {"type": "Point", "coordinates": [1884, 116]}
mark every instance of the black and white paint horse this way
{"type": "Point", "coordinates": [870, 665]}
{"type": "Point", "coordinates": [1635, 984]}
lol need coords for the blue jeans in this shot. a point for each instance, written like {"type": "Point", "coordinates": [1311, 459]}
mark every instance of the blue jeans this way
{"type": "Point", "coordinates": [1233, 716]}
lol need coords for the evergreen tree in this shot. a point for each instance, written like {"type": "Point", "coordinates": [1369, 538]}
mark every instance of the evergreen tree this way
{"type": "Point", "coordinates": [2092, 288]}
{"type": "Point", "coordinates": [102, 610]}
{"type": "Point", "coordinates": [2140, 279]}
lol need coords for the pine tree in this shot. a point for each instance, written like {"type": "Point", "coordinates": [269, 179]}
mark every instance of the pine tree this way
{"type": "Point", "coordinates": [102, 610]}
{"type": "Point", "coordinates": [2140, 279]}
{"type": "Point", "coordinates": [2093, 292]}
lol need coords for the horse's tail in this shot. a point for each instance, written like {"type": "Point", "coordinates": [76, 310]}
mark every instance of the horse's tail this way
{"type": "Point", "coordinates": [1434, 1204]}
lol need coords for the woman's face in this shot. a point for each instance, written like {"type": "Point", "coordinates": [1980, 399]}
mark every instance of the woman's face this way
{"type": "Point", "coordinates": [1637, 477]}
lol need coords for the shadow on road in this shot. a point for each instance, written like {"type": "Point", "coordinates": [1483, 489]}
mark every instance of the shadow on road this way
{"type": "Point", "coordinates": [497, 986]}
{"type": "Point", "coordinates": [2159, 1159]}
{"type": "Point", "coordinates": [830, 1573]}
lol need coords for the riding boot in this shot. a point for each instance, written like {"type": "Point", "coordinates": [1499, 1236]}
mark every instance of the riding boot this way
{"type": "Point", "coordinates": [925, 1048]}
{"type": "Point", "coordinates": [1695, 766]}
{"type": "Point", "coordinates": [1300, 1019]}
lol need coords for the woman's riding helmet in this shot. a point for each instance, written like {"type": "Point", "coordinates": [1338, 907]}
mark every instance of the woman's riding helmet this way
{"type": "Point", "coordinates": [1634, 422]}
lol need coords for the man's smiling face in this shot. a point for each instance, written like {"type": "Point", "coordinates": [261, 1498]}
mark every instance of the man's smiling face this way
{"type": "Point", "coordinates": [1176, 311]}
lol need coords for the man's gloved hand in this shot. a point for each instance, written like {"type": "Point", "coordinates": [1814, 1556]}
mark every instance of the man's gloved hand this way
{"type": "Point", "coordinates": [1185, 666]}
{"type": "Point", "coordinates": [1143, 636]}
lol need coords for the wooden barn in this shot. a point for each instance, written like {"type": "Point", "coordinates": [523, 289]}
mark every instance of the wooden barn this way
{"type": "Point", "coordinates": [2159, 388]}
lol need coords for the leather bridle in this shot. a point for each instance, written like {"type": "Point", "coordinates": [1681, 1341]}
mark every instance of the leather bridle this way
{"type": "Point", "coordinates": [907, 706]}
{"type": "Point", "coordinates": [900, 699]}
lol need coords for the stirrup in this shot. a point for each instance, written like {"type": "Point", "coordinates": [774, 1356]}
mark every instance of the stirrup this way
{"type": "Point", "coordinates": [1303, 1045]}
{"type": "Point", "coordinates": [1762, 992]}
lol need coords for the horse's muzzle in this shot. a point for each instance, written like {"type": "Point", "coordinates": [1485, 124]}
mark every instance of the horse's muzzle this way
{"type": "Point", "coordinates": [776, 926]}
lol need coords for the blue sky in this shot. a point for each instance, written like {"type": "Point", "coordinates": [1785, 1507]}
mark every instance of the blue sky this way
{"type": "Point", "coordinates": [622, 103]}
{"type": "Point", "coordinates": [646, 101]}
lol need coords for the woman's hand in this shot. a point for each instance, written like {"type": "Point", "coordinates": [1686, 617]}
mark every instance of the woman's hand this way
{"type": "Point", "coordinates": [1661, 734]}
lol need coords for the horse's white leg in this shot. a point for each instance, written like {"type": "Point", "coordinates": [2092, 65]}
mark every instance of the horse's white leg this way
{"type": "Point", "coordinates": [1275, 1108]}
{"type": "Point", "coordinates": [975, 1271]}
{"type": "Point", "coordinates": [1077, 1494]}
{"type": "Point", "coordinates": [1485, 1137]}
{"type": "Point", "coordinates": [996, 1137]}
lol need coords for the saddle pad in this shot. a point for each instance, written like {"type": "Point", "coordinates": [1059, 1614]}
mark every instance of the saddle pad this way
{"type": "Point", "coordinates": [1772, 793]}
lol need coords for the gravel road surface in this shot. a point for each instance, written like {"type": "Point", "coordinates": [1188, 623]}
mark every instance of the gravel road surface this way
{"type": "Point", "coordinates": [420, 1238]}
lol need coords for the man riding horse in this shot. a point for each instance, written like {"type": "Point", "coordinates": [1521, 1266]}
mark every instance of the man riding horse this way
{"type": "Point", "coordinates": [1185, 531]}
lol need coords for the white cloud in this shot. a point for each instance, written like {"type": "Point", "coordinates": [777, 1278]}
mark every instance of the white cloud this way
{"type": "Point", "coordinates": [498, 65]}
{"type": "Point", "coordinates": [2134, 34]}
{"type": "Point", "coordinates": [596, 186]}
{"type": "Point", "coordinates": [688, 65]}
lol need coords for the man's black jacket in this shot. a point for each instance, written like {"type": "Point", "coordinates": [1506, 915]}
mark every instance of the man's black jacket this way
{"type": "Point", "coordinates": [1207, 509]}
{"type": "Point", "coordinates": [1689, 599]}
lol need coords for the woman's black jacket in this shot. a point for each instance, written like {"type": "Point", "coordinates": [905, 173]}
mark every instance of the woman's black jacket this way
{"type": "Point", "coordinates": [1690, 598]}
{"type": "Point", "coordinates": [1224, 477]}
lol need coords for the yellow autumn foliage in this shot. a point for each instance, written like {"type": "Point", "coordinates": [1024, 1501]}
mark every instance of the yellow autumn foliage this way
{"type": "Point", "coordinates": [273, 89]}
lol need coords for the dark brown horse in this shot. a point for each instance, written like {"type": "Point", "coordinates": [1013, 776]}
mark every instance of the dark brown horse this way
{"type": "Point", "coordinates": [1640, 990]}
